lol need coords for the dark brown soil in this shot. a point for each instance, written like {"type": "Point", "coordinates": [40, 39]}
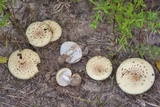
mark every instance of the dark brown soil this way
{"type": "Point", "coordinates": [43, 90]}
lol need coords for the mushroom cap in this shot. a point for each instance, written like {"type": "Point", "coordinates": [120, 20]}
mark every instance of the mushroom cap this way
{"type": "Point", "coordinates": [60, 74]}
{"type": "Point", "coordinates": [73, 51]}
{"type": "Point", "coordinates": [23, 63]}
{"type": "Point", "coordinates": [55, 28]}
{"type": "Point", "coordinates": [38, 34]}
{"type": "Point", "coordinates": [135, 76]}
{"type": "Point", "coordinates": [99, 68]}
{"type": "Point", "coordinates": [75, 80]}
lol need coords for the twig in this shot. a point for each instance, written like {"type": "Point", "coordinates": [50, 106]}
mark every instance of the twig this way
{"type": "Point", "coordinates": [26, 105]}
{"type": "Point", "coordinates": [31, 92]}
{"type": "Point", "coordinates": [153, 98]}
{"type": "Point", "coordinates": [151, 104]}
{"type": "Point", "coordinates": [31, 10]}
{"type": "Point", "coordinates": [124, 104]}
{"type": "Point", "coordinates": [4, 38]}
{"type": "Point", "coordinates": [7, 104]}
{"type": "Point", "coordinates": [98, 43]}
{"type": "Point", "coordinates": [12, 96]}
{"type": "Point", "coordinates": [13, 14]}
{"type": "Point", "coordinates": [12, 89]}
{"type": "Point", "coordinates": [59, 7]}
{"type": "Point", "coordinates": [19, 26]}
{"type": "Point", "coordinates": [17, 43]}
{"type": "Point", "coordinates": [16, 21]}
{"type": "Point", "coordinates": [12, 10]}
{"type": "Point", "coordinates": [88, 101]}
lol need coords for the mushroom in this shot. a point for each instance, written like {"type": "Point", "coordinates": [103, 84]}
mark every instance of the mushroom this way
{"type": "Point", "coordinates": [38, 34]}
{"type": "Point", "coordinates": [75, 80]}
{"type": "Point", "coordinates": [99, 68]}
{"type": "Point", "coordinates": [23, 63]}
{"type": "Point", "coordinates": [64, 78]}
{"type": "Point", "coordinates": [135, 76]}
{"type": "Point", "coordinates": [55, 28]}
{"type": "Point", "coordinates": [70, 52]}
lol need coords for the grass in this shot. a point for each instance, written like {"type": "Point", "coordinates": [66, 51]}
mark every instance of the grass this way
{"type": "Point", "coordinates": [152, 51]}
{"type": "Point", "coordinates": [96, 101]}
{"type": "Point", "coordinates": [124, 16]}
{"type": "Point", "coordinates": [4, 16]}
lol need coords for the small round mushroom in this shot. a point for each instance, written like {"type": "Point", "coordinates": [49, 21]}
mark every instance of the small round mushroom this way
{"type": "Point", "coordinates": [23, 63]}
{"type": "Point", "coordinates": [99, 68]}
{"type": "Point", "coordinates": [75, 80]}
{"type": "Point", "coordinates": [55, 28]}
{"type": "Point", "coordinates": [64, 78]}
{"type": "Point", "coordinates": [70, 52]}
{"type": "Point", "coordinates": [135, 76]}
{"type": "Point", "coordinates": [38, 34]}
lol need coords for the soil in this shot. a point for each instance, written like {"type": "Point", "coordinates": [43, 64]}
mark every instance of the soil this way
{"type": "Point", "coordinates": [43, 90]}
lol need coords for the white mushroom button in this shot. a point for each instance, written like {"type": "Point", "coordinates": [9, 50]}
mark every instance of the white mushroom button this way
{"type": "Point", "coordinates": [38, 34]}
{"type": "Point", "coordinates": [64, 78]}
{"type": "Point", "coordinates": [23, 63]}
{"type": "Point", "coordinates": [99, 68]}
{"type": "Point", "coordinates": [72, 50]}
{"type": "Point", "coordinates": [55, 28]}
{"type": "Point", "coordinates": [135, 76]}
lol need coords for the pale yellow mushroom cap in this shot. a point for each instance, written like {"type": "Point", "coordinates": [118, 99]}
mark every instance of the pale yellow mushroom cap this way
{"type": "Point", "coordinates": [55, 28]}
{"type": "Point", "coordinates": [38, 34]}
{"type": "Point", "coordinates": [135, 76]}
{"type": "Point", "coordinates": [99, 68]}
{"type": "Point", "coordinates": [23, 64]}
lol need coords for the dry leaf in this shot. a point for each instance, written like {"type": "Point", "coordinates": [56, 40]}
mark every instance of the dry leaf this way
{"type": "Point", "coordinates": [3, 59]}
{"type": "Point", "coordinates": [157, 62]}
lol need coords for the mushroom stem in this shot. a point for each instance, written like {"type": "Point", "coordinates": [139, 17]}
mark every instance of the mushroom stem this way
{"type": "Point", "coordinates": [62, 58]}
{"type": "Point", "coordinates": [66, 78]}
{"type": "Point", "coordinates": [67, 55]}
{"type": "Point", "coordinates": [70, 52]}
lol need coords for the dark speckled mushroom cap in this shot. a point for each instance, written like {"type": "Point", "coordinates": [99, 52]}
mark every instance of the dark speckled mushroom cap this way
{"type": "Point", "coordinates": [23, 63]}
{"type": "Point", "coordinates": [135, 76]}
{"type": "Point", "coordinates": [39, 34]}
{"type": "Point", "coordinates": [55, 28]}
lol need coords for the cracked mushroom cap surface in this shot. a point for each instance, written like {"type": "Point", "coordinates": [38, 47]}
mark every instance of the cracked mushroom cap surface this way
{"type": "Point", "coordinates": [63, 76]}
{"type": "Point", "coordinates": [135, 76]}
{"type": "Point", "coordinates": [55, 28]}
{"type": "Point", "coordinates": [38, 34]}
{"type": "Point", "coordinates": [23, 63]}
{"type": "Point", "coordinates": [99, 68]}
{"type": "Point", "coordinates": [73, 51]}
